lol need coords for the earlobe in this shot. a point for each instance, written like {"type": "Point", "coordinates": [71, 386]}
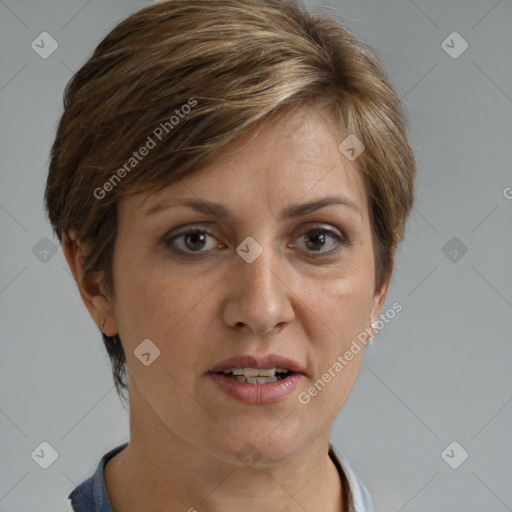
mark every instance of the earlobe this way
{"type": "Point", "coordinates": [101, 312]}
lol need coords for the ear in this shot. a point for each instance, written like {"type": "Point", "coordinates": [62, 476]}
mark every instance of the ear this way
{"type": "Point", "coordinates": [90, 285]}
{"type": "Point", "coordinates": [380, 294]}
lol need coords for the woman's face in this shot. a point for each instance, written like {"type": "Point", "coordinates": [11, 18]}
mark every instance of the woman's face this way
{"type": "Point", "coordinates": [288, 291]}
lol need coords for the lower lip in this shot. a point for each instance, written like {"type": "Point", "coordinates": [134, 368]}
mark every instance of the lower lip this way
{"type": "Point", "coordinates": [258, 394]}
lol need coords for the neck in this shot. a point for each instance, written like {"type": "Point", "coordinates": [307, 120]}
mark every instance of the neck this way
{"type": "Point", "coordinates": [161, 471]}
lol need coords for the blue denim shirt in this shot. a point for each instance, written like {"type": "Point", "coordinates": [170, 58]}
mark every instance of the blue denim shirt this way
{"type": "Point", "coordinates": [91, 495]}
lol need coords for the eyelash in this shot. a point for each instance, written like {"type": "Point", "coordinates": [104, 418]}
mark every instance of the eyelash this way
{"type": "Point", "coordinates": [342, 241]}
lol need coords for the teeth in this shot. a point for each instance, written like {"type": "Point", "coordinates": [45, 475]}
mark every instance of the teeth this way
{"type": "Point", "coordinates": [255, 380]}
{"type": "Point", "coordinates": [253, 372]}
{"type": "Point", "coordinates": [235, 371]}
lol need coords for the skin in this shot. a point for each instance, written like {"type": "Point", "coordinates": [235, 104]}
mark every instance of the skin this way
{"type": "Point", "coordinates": [186, 433]}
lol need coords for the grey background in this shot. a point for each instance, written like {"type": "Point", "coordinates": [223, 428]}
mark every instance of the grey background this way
{"type": "Point", "coordinates": [439, 372]}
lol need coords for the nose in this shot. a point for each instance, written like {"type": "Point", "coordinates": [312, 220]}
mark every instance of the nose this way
{"type": "Point", "coordinates": [259, 296]}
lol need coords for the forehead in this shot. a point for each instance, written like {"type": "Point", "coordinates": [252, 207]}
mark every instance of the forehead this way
{"type": "Point", "coordinates": [290, 158]}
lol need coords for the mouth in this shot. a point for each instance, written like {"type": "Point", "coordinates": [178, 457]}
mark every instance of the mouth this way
{"type": "Point", "coordinates": [256, 376]}
{"type": "Point", "coordinates": [258, 380]}
{"type": "Point", "coordinates": [257, 386]}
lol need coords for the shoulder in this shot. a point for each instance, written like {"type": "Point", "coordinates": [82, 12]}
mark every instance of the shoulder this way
{"type": "Point", "coordinates": [361, 500]}
{"type": "Point", "coordinates": [91, 495]}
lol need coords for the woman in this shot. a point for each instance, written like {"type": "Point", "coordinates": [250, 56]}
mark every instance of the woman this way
{"type": "Point", "coordinates": [229, 182]}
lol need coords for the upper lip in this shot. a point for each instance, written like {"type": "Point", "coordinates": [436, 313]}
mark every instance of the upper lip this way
{"type": "Point", "coordinates": [249, 361]}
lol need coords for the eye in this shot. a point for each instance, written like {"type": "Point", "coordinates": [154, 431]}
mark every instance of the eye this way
{"type": "Point", "coordinates": [315, 240]}
{"type": "Point", "coordinates": [193, 240]}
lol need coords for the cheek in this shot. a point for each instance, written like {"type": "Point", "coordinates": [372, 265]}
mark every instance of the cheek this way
{"type": "Point", "coordinates": [336, 314]}
{"type": "Point", "coordinates": [166, 307]}
{"type": "Point", "coordinates": [341, 301]}
{"type": "Point", "coordinates": [339, 314]}
{"type": "Point", "coordinates": [158, 305]}
{"type": "Point", "coordinates": [165, 310]}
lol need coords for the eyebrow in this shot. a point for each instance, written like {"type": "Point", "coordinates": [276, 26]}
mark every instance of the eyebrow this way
{"type": "Point", "coordinates": [220, 211]}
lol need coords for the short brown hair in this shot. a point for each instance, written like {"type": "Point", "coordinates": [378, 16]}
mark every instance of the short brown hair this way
{"type": "Point", "coordinates": [242, 62]}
